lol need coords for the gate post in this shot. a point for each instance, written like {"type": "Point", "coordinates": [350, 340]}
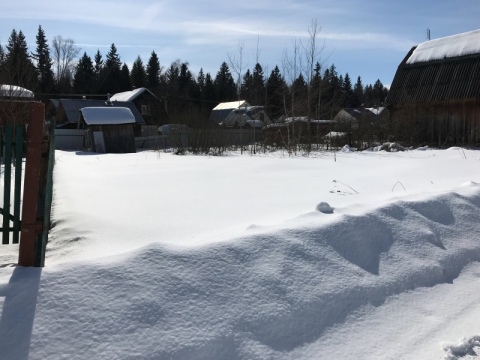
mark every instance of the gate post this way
{"type": "Point", "coordinates": [31, 227]}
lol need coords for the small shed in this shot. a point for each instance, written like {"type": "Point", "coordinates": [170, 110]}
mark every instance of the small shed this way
{"type": "Point", "coordinates": [108, 129]}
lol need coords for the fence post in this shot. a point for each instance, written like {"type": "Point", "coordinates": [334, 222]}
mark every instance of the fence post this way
{"type": "Point", "coordinates": [31, 228]}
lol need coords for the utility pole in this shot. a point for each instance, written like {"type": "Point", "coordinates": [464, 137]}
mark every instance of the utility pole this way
{"type": "Point", "coordinates": [428, 34]}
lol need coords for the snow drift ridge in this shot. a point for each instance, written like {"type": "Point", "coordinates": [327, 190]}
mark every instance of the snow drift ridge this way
{"type": "Point", "coordinates": [257, 297]}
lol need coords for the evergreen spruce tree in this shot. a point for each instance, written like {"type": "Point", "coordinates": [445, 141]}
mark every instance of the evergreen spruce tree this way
{"type": "Point", "coordinates": [275, 85]}
{"type": "Point", "coordinates": [349, 100]}
{"type": "Point", "coordinates": [19, 69]}
{"type": "Point", "coordinates": [153, 71]}
{"type": "Point", "coordinates": [209, 96]}
{"type": "Point", "coordinates": [225, 89]}
{"type": "Point", "coordinates": [247, 92]}
{"type": "Point", "coordinates": [125, 83]}
{"type": "Point", "coordinates": [138, 76]}
{"type": "Point", "coordinates": [358, 91]}
{"type": "Point", "coordinates": [44, 63]}
{"type": "Point", "coordinates": [110, 75]}
{"type": "Point", "coordinates": [258, 85]}
{"type": "Point", "coordinates": [84, 79]}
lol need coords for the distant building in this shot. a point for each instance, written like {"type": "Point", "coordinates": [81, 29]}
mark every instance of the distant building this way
{"type": "Point", "coordinates": [66, 112]}
{"type": "Point", "coordinates": [435, 95]}
{"type": "Point", "coordinates": [108, 129]}
{"type": "Point", "coordinates": [152, 109]}
{"type": "Point", "coordinates": [222, 110]}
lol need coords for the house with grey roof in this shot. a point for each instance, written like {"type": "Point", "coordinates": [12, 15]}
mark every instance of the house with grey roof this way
{"type": "Point", "coordinates": [66, 112]}
{"type": "Point", "coordinates": [152, 109]}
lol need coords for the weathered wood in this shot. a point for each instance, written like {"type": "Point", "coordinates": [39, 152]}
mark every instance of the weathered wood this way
{"type": "Point", "coordinates": [48, 195]}
{"type": "Point", "coordinates": [30, 227]}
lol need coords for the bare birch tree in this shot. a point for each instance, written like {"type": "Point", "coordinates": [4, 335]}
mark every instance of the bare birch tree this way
{"type": "Point", "coordinates": [64, 52]}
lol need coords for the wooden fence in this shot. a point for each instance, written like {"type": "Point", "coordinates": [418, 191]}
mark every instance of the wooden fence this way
{"type": "Point", "coordinates": [31, 230]}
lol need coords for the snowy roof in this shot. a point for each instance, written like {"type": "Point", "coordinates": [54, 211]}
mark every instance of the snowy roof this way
{"type": "Point", "coordinates": [222, 110]}
{"type": "Point", "coordinates": [72, 107]}
{"type": "Point", "coordinates": [231, 105]}
{"type": "Point", "coordinates": [447, 47]}
{"type": "Point", "coordinates": [15, 91]}
{"type": "Point", "coordinates": [130, 95]}
{"type": "Point", "coordinates": [377, 110]}
{"type": "Point", "coordinates": [107, 116]}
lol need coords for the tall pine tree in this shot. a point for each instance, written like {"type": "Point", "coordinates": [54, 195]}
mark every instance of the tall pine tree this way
{"type": "Point", "coordinates": [44, 64]}
{"type": "Point", "coordinates": [18, 67]}
{"type": "Point", "coordinates": [225, 89]}
{"type": "Point", "coordinates": [138, 76]}
{"type": "Point", "coordinates": [153, 71]}
{"type": "Point", "coordinates": [84, 79]}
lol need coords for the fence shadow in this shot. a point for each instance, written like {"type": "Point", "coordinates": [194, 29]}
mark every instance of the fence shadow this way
{"type": "Point", "coordinates": [18, 313]}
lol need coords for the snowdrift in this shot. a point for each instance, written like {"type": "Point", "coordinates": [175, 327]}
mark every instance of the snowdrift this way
{"type": "Point", "coordinates": [265, 295]}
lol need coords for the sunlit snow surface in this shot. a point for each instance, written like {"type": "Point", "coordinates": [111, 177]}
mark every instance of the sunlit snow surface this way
{"type": "Point", "coordinates": [157, 256]}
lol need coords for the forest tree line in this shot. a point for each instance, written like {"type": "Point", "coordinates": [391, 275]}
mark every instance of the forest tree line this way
{"type": "Point", "coordinates": [61, 70]}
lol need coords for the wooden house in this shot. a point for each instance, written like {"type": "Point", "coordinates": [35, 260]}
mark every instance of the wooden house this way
{"type": "Point", "coordinates": [435, 95]}
{"type": "Point", "coordinates": [221, 111]}
{"type": "Point", "coordinates": [152, 109]}
{"type": "Point", "coordinates": [108, 129]}
{"type": "Point", "coordinates": [66, 112]}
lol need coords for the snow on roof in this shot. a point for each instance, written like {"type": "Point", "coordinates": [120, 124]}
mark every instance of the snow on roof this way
{"type": "Point", "coordinates": [107, 115]}
{"type": "Point", "coordinates": [15, 91]}
{"type": "Point", "coordinates": [231, 105]}
{"type": "Point", "coordinates": [451, 46]}
{"type": "Point", "coordinates": [127, 96]}
{"type": "Point", "coordinates": [377, 110]}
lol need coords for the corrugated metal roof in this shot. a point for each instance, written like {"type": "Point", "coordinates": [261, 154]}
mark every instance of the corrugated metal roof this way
{"type": "Point", "coordinates": [72, 108]}
{"type": "Point", "coordinates": [15, 91]}
{"type": "Point", "coordinates": [453, 78]}
{"type": "Point", "coordinates": [107, 115]}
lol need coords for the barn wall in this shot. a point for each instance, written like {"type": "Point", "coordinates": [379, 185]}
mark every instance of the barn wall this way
{"type": "Point", "coordinates": [441, 123]}
{"type": "Point", "coordinates": [117, 138]}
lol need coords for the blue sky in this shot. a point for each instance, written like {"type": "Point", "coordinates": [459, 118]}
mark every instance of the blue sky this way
{"type": "Point", "coordinates": [363, 38]}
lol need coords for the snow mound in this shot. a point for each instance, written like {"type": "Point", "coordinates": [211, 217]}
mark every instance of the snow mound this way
{"type": "Point", "coordinates": [422, 148]}
{"type": "Point", "coordinates": [455, 148]}
{"type": "Point", "coordinates": [390, 147]}
{"type": "Point", "coordinates": [469, 183]}
{"type": "Point", "coordinates": [466, 347]}
{"type": "Point", "coordinates": [348, 149]}
{"type": "Point", "coordinates": [325, 208]}
{"type": "Point", "coordinates": [255, 297]}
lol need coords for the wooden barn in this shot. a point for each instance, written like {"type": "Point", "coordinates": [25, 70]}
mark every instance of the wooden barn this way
{"type": "Point", "coordinates": [108, 129]}
{"type": "Point", "coordinates": [435, 95]}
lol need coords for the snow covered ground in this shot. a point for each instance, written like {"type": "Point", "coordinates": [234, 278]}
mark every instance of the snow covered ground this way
{"type": "Point", "coordinates": [157, 256]}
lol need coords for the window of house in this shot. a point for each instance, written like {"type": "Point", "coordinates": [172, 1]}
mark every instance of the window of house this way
{"type": "Point", "coordinates": [145, 110]}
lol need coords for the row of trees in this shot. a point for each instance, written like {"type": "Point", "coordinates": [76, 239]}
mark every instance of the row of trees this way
{"type": "Point", "coordinates": [302, 87]}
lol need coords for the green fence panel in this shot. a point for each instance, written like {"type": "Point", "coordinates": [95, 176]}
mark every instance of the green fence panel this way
{"type": "Point", "coordinates": [7, 180]}
{"type": "Point", "coordinates": [18, 182]}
